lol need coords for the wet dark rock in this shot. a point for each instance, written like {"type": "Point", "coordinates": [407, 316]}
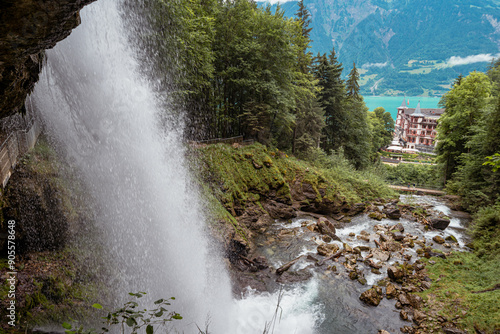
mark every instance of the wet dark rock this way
{"type": "Point", "coordinates": [395, 273]}
{"type": "Point", "coordinates": [451, 238]}
{"type": "Point", "coordinates": [392, 212]}
{"type": "Point", "coordinates": [28, 28]}
{"type": "Point", "coordinates": [295, 277]}
{"type": "Point", "coordinates": [439, 223]}
{"type": "Point", "coordinates": [376, 215]}
{"type": "Point", "coordinates": [279, 210]}
{"type": "Point", "coordinates": [398, 237]}
{"type": "Point", "coordinates": [327, 249]}
{"type": "Point", "coordinates": [372, 296]}
{"type": "Point", "coordinates": [363, 237]}
{"type": "Point", "coordinates": [438, 239]}
{"type": "Point", "coordinates": [403, 315]}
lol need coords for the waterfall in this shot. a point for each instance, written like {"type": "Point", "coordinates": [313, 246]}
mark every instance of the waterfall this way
{"type": "Point", "coordinates": [103, 114]}
{"type": "Point", "coordinates": [94, 102]}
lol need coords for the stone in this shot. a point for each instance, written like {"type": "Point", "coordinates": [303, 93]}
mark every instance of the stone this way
{"type": "Point", "coordinates": [415, 301]}
{"type": "Point", "coordinates": [439, 223]}
{"type": "Point", "coordinates": [363, 232]}
{"type": "Point", "coordinates": [403, 315]}
{"type": "Point", "coordinates": [391, 291]}
{"type": "Point", "coordinates": [398, 237]}
{"type": "Point", "coordinates": [373, 264]}
{"type": "Point", "coordinates": [362, 280]}
{"type": "Point", "coordinates": [392, 212]}
{"type": "Point", "coordinates": [352, 234]}
{"type": "Point", "coordinates": [372, 296]}
{"type": "Point", "coordinates": [279, 210]}
{"type": "Point", "coordinates": [392, 246]}
{"type": "Point", "coordinates": [451, 238]}
{"type": "Point", "coordinates": [396, 274]}
{"type": "Point", "coordinates": [380, 255]}
{"type": "Point", "coordinates": [327, 249]}
{"type": "Point", "coordinates": [403, 299]}
{"type": "Point", "coordinates": [376, 215]}
{"type": "Point", "coordinates": [418, 316]}
{"type": "Point", "coordinates": [425, 285]}
{"type": "Point", "coordinates": [362, 248]}
{"type": "Point", "coordinates": [363, 237]}
{"type": "Point", "coordinates": [438, 239]}
{"type": "Point", "coordinates": [326, 238]}
{"type": "Point", "coordinates": [353, 275]}
{"type": "Point", "coordinates": [383, 332]}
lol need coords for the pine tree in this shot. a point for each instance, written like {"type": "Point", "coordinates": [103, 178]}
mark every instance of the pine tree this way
{"type": "Point", "coordinates": [352, 84]}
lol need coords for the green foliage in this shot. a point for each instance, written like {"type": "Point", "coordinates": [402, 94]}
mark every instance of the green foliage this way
{"type": "Point", "coordinates": [485, 231]}
{"type": "Point", "coordinates": [493, 161]}
{"type": "Point", "coordinates": [131, 318]}
{"type": "Point", "coordinates": [464, 105]}
{"type": "Point", "coordinates": [244, 176]}
{"type": "Point", "coordinates": [458, 291]}
{"type": "Point", "coordinates": [427, 176]}
{"type": "Point", "coordinates": [381, 126]}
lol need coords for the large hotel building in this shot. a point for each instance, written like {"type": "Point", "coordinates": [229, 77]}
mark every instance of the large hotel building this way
{"type": "Point", "coordinates": [415, 129]}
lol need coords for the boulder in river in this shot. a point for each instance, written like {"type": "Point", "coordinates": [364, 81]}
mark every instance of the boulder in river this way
{"type": "Point", "coordinates": [392, 212]}
{"type": "Point", "coordinates": [395, 273]}
{"type": "Point", "coordinates": [327, 249]}
{"type": "Point", "coordinates": [439, 223]}
{"type": "Point", "coordinates": [372, 296]}
{"type": "Point", "coordinates": [438, 239]}
{"type": "Point", "coordinates": [391, 291]}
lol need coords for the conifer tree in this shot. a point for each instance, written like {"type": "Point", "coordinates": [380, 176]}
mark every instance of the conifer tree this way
{"type": "Point", "coordinates": [352, 84]}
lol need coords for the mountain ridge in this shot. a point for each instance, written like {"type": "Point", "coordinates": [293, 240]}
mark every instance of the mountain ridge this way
{"type": "Point", "coordinates": [423, 44]}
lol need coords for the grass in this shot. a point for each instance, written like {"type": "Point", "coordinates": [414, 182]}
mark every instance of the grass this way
{"type": "Point", "coordinates": [456, 280]}
{"type": "Point", "coordinates": [452, 293]}
{"type": "Point", "coordinates": [246, 175]}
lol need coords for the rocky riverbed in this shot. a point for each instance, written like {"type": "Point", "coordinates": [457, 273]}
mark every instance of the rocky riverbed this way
{"type": "Point", "coordinates": [365, 270]}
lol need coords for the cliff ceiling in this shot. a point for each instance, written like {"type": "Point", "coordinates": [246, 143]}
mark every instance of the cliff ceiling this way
{"type": "Point", "coordinates": [27, 29]}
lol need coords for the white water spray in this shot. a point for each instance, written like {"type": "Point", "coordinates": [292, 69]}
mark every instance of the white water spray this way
{"type": "Point", "coordinates": [102, 111]}
{"type": "Point", "coordinates": [94, 101]}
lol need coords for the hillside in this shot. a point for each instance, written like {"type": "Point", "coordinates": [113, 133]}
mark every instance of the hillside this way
{"type": "Point", "coordinates": [417, 47]}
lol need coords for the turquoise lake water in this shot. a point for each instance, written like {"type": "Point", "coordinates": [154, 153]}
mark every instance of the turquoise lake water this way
{"type": "Point", "coordinates": [391, 103]}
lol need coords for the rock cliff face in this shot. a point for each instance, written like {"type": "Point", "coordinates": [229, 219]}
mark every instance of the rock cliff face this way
{"type": "Point", "coordinates": [27, 29]}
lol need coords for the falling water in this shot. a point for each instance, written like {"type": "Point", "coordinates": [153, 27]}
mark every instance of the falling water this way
{"type": "Point", "coordinates": [94, 101]}
{"type": "Point", "coordinates": [103, 113]}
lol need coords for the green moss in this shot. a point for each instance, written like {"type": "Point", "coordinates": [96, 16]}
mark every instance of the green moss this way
{"type": "Point", "coordinates": [452, 293]}
{"type": "Point", "coordinates": [241, 177]}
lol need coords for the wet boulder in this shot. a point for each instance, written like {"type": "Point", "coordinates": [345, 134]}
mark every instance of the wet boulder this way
{"type": "Point", "coordinates": [327, 249]}
{"type": "Point", "coordinates": [396, 274]}
{"type": "Point", "coordinates": [438, 239]}
{"type": "Point", "coordinates": [439, 223]}
{"type": "Point", "coordinates": [392, 212]}
{"type": "Point", "coordinates": [279, 210]}
{"type": "Point", "coordinates": [372, 296]}
{"type": "Point", "coordinates": [391, 291]}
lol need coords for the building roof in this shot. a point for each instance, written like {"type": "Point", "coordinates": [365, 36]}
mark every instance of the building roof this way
{"type": "Point", "coordinates": [418, 111]}
{"type": "Point", "coordinates": [426, 112]}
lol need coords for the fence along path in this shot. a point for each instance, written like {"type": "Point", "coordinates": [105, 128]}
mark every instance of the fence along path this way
{"type": "Point", "coordinates": [18, 142]}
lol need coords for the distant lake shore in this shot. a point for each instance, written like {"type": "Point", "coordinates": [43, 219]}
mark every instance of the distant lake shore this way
{"type": "Point", "coordinates": [391, 103]}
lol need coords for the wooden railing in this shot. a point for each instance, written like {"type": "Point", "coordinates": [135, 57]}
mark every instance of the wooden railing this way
{"type": "Point", "coordinates": [16, 145]}
{"type": "Point", "coordinates": [232, 140]}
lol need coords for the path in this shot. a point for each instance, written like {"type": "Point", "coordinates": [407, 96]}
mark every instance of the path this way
{"type": "Point", "coordinates": [422, 190]}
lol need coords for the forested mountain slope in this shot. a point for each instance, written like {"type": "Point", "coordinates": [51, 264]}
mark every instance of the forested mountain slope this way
{"type": "Point", "coordinates": [413, 46]}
